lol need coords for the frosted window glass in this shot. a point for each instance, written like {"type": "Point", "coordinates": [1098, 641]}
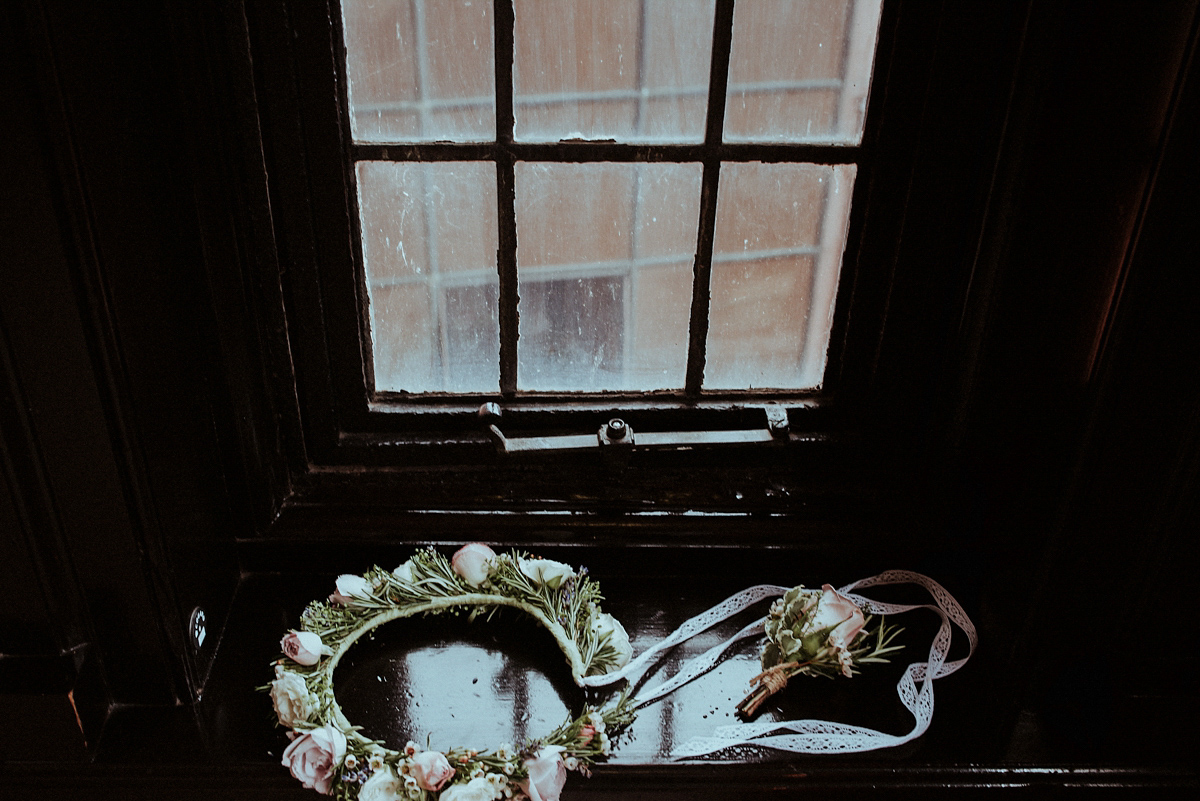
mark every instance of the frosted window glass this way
{"type": "Point", "coordinates": [420, 70]}
{"type": "Point", "coordinates": [604, 273]}
{"type": "Point", "coordinates": [626, 70]}
{"type": "Point", "coordinates": [799, 71]}
{"type": "Point", "coordinates": [781, 230]}
{"type": "Point", "coordinates": [429, 250]}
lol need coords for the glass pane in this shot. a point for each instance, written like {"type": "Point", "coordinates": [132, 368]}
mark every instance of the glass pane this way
{"type": "Point", "coordinates": [800, 71]}
{"type": "Point", "coordinates": [604, 272]}
{"type": "Point", "coordinates": [627, 70]}
{"type": "Point", "coordinates": [429, 249]}
{"type": "Point", "coordinates": [781, 229]}
{"type": "Point", "coordinates": [420, 70]}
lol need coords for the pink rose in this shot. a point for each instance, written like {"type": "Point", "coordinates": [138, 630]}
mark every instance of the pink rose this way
{"type": "Point", "coordinates": [304, 647]}
{"type": "Point", "coordinates": [313, 756]}
{"type": "Point", "coordinates": [835, 609]}
{"type": "Point", "coordinates": [547, 774]}
{"type": "Point", "coordinates": [586, 732]}
{"type": "Point", "coordinates": [431, 770]}
{"type": "Point", "coordinates": [350, 587]}
{"type": "Point", "coordinates": [474, 563]}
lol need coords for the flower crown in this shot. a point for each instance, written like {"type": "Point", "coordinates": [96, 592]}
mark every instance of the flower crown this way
{"type": "Point", "coordinates": [328, 754]}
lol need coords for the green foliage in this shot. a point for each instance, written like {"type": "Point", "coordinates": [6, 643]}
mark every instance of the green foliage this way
{"type": "Point", "coordinates": [791, 637]}
{"type": "Point", "coordinates": [427, 584]}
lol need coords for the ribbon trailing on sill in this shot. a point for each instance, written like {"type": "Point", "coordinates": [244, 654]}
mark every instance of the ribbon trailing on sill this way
{"type": "Point", "coordinates": [810, 736]}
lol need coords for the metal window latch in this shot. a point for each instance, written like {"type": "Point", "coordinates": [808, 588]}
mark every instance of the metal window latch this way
{"type": "Point", "coordinates": [617, 434]}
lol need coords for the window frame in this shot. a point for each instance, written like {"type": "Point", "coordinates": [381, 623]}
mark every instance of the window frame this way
{"type": "Point", "coordinates": [505, 153]}
{"type": "Point", "coordinates": [347, 448]}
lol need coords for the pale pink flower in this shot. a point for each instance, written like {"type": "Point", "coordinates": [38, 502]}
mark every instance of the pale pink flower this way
{"type": "Point", "coordinates": [431, 770]}
{"type": "Point", "coordinates": [835, 609]}
{"type": "Point", "coordinates": [304, 647]}
{"type": "Point", "coordinates": [474, 563]}
{"type": "Point", "coordinates": [313, 756]}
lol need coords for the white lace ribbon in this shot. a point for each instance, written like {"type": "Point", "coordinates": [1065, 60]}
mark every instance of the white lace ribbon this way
{"type": "Point", "coordinates": [690, 628]}
{"type": "Point", "coordinates": [808, 736]}
{"type": "Point", "coordinates": [825, 737]}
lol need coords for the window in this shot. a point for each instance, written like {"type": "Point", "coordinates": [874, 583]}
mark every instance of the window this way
{"type": "Point", "coordinates": [446, 242]}
{"type": "Point", "coordinates": [653, 199]}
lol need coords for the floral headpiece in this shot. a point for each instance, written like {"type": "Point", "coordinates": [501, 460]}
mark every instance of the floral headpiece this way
{"type": "Point", "coordinates": [328, 754]}
{"type": "Point", "coordinates": [824, 632]}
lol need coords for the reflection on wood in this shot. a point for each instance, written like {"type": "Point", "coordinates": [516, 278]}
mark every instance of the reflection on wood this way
{"type": "Point", "coordinates": [443, 682]}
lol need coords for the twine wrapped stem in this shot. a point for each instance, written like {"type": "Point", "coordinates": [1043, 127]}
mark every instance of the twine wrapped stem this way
{"type": "Point", "coordinates": [769, 682]}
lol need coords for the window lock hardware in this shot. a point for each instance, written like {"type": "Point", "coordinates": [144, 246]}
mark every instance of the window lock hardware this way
{"type": "Point", "coordinates": [616, 433]}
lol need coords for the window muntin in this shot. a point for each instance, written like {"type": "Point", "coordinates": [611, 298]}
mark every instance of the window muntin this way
{"type": "Point", "coordinates": [772, 303]}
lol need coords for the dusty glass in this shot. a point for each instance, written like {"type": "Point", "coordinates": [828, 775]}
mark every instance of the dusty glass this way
{"type": "Point", "coordinates": [781, 230]}
{"type": "Point", "coordinates": [800, 71]}
{"type": "Point", "coordinates": [429, 251]}
{"type": "Point", "coordinates": [420, 70]}
{"type": "Point", "coordinates": [604, 269]}
{"type": "Point", "coordinates": [625, 70]}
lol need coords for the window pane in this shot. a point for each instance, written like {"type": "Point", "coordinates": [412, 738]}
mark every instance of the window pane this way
{"type": "Point", "coordinates": [800, 71]}
{"type": "Point", "coordinates": [627, 70]}
{"type": "Point", "coordinates": [429, 250]}
{"type": "Point", "coordinates": [604, 266]}
{"type": "Point", "coordinates": [781, 229]}
{"type": "Point", "coordinates": [420, 70]}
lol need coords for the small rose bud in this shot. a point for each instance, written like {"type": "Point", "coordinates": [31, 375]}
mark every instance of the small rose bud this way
{"type": "Point", "coordinates": [431, 770]}
{"type": "Point", "coordinates": [473, 563]}
{"type": "Point", "coordinates": [304, 647]}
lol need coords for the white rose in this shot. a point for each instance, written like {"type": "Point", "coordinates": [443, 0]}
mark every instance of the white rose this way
{"type": "Point", "coordinates": [384, 785]}
{"type": "Point", "coordinates": [478, 789]}
{"type": "Point", "coordinates": [547, 774]}
{"type": "Point", "coordinates": [546, 571]}
{"type": "Point", "coordinates": [605, 625]}
{"type": "Point", "coordinates": [405, 572]}
{"type": "Point", "coordinates": [293, 701]}
{"type": "Point", "coordinates": [350, 587]}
